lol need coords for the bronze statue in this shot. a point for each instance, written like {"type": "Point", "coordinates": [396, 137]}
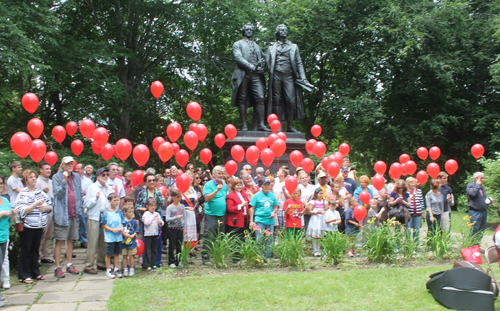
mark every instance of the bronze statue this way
{"type": "Point", "coordinates": [286, 73]}
{"type": "Point", "coordinates": [248, 80]}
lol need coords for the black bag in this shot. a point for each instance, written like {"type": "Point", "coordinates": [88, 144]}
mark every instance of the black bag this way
{"type": "Point", "coordinates": [399, 214]}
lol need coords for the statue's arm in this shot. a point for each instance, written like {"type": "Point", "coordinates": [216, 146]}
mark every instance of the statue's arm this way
{"type": "Point", "coordinates": [240, 60]}
{"type": "Point", "coordinates": [300, 67]}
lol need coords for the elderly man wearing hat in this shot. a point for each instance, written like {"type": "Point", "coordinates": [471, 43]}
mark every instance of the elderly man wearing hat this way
{"type": "Point", "coordinates": [67, 201]}
{"type": "Point", "coordinates": [96, 202]}
{"type": "Point", "coordinates": [322, 182]}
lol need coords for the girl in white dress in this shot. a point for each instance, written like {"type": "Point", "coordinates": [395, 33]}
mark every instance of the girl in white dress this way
{"type": "Point", "coordinates": [317, 225]}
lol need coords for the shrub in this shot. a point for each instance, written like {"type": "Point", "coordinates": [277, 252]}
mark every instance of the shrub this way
{"type": "Point", "coordinates": [381, 242]}
{"type": "Point", "coordinates": [467, 239]}
{"type": "Point", "coordinates": [439, 243]}
{"type": "Point", "coordinates": [290, 249]}
{"type": "Point", "coordinates": [183, 256]}
{"type": "Point", "coordinates": [250, 251]}
{"type": "Point", "coordinates": [222, 249]}
{"type": "Point", "coordinates": [335, 245]}
{"type": "Point", "coordinates": [409, 245]}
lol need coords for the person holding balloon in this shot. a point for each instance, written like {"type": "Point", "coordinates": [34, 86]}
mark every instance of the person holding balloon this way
{"type": "Point", "coordinates": [237, 209]}
{"type": "Point", "coordinates": [434, 201]}
{"type": "Point", "coordinates": [352, 225]}
{"type": "Point", "coordinates": [190, 200]}
{"type": "Point", "coordinates": [130, 232]}
{"type": "Point", "coordinates": [306, 195]}
{"type": "Point", "coordinates": [364, 181]}
{"type": "Point", "coordinates": [337, 194]}
{"type": "Point", "coordinates": [415, 208]}
{"type": "Point", "coordinates": [400, 198]}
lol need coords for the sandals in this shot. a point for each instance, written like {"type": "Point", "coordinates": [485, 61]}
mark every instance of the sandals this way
{"type": "Point", "coordinates": [40, 278]}
{"type": "Point", "coordinates": [27, 281]}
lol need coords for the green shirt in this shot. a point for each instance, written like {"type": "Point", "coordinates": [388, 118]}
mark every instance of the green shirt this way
{"type": "Point", "coordinates": [216, 206]}
{"type": "Point", "coordinates": [4, 221]}
{"type": "Point", "coordinates": [264, 205]}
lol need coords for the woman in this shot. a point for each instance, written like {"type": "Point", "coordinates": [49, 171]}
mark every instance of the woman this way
{"type": "Point", "coordinates": [190, 200]}
{"type": "Point", "coordinates": [159, 180]}
{"type": "Point", "coordinates": [200, 206]}
{"type": "Point", "coordinates": [7, 215]}
{"type": "Point", "coordinates": [434, 201]}
{"type": "Point", "coordinates": [237, 209]}
{"type": "Point", "coordinates": [399, 198]}
{"type": "Point", "coordinates": [364, 181]}
{"type": "Point", "coordinates": [204, 179]}
{"type": "Point", "coordinates": [306, 195]}
{"type": "Point", "coordinates": [150, 192]}
{"type": "Point", "coordinates": [337, 195]}
{"type": "Point", "coordinates": [248, 186]}
{"type": "Point", "coordinates": [416, 207]}
{"type": "Point", "coordinates": [33, 205]}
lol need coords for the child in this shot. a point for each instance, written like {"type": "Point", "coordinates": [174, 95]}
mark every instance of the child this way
{"type": "Point", "coordinates": [373, 214]}
{"type": "Point", "coordinates": [130, 231]}
{"type": "Point", "coordinates": [175, 216]}
{"type": "Point", "coordinates": [383, 206]}
{"type": "Point", "coordinates": [351, 224]}
{"type": "Point", "coordinates": [112, 222]}
{"type": "Point", "coordinates": [317, 224]}
{"type": "Point", "coordinates": [332, 217]}
{"type": "Point", "coordinates": [293, 210]}
{"type": "Point", "coordinates": [152, 221]}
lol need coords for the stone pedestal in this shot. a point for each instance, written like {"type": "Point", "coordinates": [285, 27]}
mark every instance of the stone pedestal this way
{"type": "Point", "coordinates": [294, 141]}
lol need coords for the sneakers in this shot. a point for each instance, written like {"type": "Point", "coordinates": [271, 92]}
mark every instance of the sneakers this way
{"type": "Point", "coordinates": [110, 275]}
{"type": "Point", "coordinates": [149, 270]}
{"type": "Point", "coordinates": [118, 274]}
{"type": "Point", "coordinates": [6, 284]}
{"type": "Point", "coordinates": [125, 272]}
{"type": "Point", "coordinates": [317, 254]}
{"type": "Point", "coordinates": [155, 268]}
{"type": "Point", "coordinates": [172, 265]}
{"type": "Point", "coordinates": [71, 269]}
{"type": "Point", "coordinates": [58, 273]}
{"type": "Point", "coordinates": [131, 272]}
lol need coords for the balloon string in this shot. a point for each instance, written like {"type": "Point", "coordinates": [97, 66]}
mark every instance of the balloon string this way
{"type": "Point", "coordinates": [477, 163]}
{"type": "Point", "coordinates": [222, 156]}
{"type": "Point", "coordinates": [194, 161]}
{"type": "Point", "coordinates": [50, 145]}
{"type": "Point", "coordinates": [99, 166]}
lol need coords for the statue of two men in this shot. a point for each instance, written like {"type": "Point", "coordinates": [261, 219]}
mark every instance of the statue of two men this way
{"type": "Point", "coordinates": [286, 74]}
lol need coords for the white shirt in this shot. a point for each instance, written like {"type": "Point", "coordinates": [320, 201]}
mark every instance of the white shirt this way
{"type": "Point", "coordinates": [42, 182]}
{"type": "Point", "coordinates": [13, 183]}
{"type": "Point", "coordinates": [278, 191]}
{"type": "Point", "coordinates": [329, 215]}
{"type": "Point", "coordinates": [86, 182]}
{"type": "Point", "coordinates": [117, 185]}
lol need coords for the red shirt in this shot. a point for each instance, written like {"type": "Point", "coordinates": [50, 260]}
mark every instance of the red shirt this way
{"type": "Point", "coordinates": [71, 199]}
{"type": "Point", "coordinates": [295, 207]}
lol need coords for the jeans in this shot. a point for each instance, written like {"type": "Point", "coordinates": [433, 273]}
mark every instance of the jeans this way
{"type": "Point", "coordinates": [82, 224]}
{"type": "Point", "coordinates": [414, 223]}
{"type": "Point", "coordinates": [259, 234]}
{"type": "Point", "coordinates": [480, 218]}
{"type": "Point", "coordinates": [213, 226]}
{"type": "Point", "coordinates": [433, 226]}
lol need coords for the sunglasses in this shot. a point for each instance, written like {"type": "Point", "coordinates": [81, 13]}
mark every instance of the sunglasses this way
{"type": "Point", "coordinates": [151, 180]}
{"type": "Point", "coordinates": [198, 177]}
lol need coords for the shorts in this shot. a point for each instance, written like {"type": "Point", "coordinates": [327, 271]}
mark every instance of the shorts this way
{"type": "Point", "coordinates": [129, 251]}
{"type": "Point", "coordinates": [66, 232]}
{"type": "Point", "coordinates": [113, 248]}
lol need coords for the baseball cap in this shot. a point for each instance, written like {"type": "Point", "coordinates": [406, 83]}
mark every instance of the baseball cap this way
{"type": "Point", "coordinates": [67, 159]}
{"type": "Point", "coordinates": [101, 170]}
{"type": "Point", "coordinates": [321, 174]}
{"type": "Point", "coordinates": [345, 168]}
{"type": "Point", "coordinates": [265, 181]}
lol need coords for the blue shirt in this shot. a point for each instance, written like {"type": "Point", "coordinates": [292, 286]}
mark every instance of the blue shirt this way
{"type": "Point", "coordinates": [264, 205]}
{"type": "Point", "coordinates": [445, 190]}
{"type": "Point", "coordinates": [216, 206]}
{"type": "Point", "coordinates": [350, 185]}
{"type": "Point", "coordinates": [350, 228]}
{"type": "Point", "coordinates": [130, 227]}
{"type": "Point", "coordinates": [4, 220]}
{"type": "Point", "coordinates": [114, 220]}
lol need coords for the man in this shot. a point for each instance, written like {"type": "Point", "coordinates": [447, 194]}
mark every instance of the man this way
{"type": "Point", "coordinates": [447, 201]}
{"type": "Point", "coordinates": [89, 169]}
{"type": "Point", "coordinates": [248, 80]}
{"type": "Point", "coordinates": [45, 183]}
{"type": "Point", "coordinates": [173, 175]}
{"type": "Point", "coordinates": [166, 177]}
{"type": "Point", "coordinates": [120, 172]}
{"type": "Point", "coordinates": [279, 190]}
{"type": "Point", "coordinates": [80, 215]}
{"type": "Point", "coordinates": [127, 185]}
{"type": "Point", "coordinates": [215, 192]}
{"type": "Point", "coordinates": [248, 170]}
{"type": "Point", "coordinates": [96, 202]}
{"type": "Point", "coordinates": [259, 176]}
{"type": "Point", "coordinates": [285, 72]}
{"type": "Point", "coordinates": [67, 200]}
{"type": "Point", "coordinates": [322, 183]}
{"type": "Point", "coordinates": [477, 203]}
{"type": "Point", "coordinates": [352, 172]}
{"type": "Point", "coordinates": [115, 182]}
{"type": "Point", "coordinates": [349, 184]}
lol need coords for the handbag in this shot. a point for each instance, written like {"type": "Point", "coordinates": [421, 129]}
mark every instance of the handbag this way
{"type": "Point", "coordinates": [19, 226]}
{"type": "Point", "coordinates": [472, 254]}
{"type": "Point", "coordinates": [398, 214]}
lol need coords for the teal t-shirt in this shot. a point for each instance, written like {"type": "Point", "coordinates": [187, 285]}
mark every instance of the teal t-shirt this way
{"type": "Point", "coordinates": [4, 221]}
{"type": "Point", "coordinates": [264, 205]}
{"type": "Point", "coordinates": [216, 206]}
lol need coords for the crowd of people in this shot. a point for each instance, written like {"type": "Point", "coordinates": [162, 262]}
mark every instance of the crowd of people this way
{"type": "Point", "coordinates": [106, 214]}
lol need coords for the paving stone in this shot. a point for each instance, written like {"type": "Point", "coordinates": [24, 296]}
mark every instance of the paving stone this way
{"type": "Point", "coordinates": [54, 307]}
{"type": "Point", "coordinates": [14, 308]}
{"type": "Point", "coordinates": [101, 275]}
{"type": "Point", "coordinates": [74, 296]}
{"type": "Point", "coordinates": [21, 299]}
{"type": "Point", "coordinates": [90, 306]}
{"type": "Point", "coordinates": [15, 289]}
{"type": "Point", "coordinates": [94, 284]}
{"type": "Point", "coordinates": [53, 287]}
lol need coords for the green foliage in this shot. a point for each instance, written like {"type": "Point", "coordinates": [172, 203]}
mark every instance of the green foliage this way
{"type": "Point", "coordinates": [183, 256]}
{"type": "Point", "coordinates": [290, 249]}
{"type": "Point", "coordinates": [467, 239]}
{"type": "Point", "coordinates": [440, 243]}
{"type": "Point", "coordinates": [409, 245]}
{"type": "Point", "coordinates": [335, 246]}
{"type": "Point", "coordinates": [222, 249]}
{"type": "Point", "coordinates": [250, 251]}
{"type": "Point", "coordinates": [380, 242]}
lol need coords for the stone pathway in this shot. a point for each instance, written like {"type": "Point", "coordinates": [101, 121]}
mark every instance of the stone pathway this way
{"type": "Point", "coordinates": [74, 292]}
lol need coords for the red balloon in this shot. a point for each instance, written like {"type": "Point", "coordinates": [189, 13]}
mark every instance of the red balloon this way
{"type": "Point", "coordinates": [403, 170]}
{"type": "Point", "coordinates": [165, 151]}
{"type": "Point", "coordinates": [422, 153]}
{"type": "Point", "coordinates": [410, 167]}
{"type": "Point", "coordinates": [59, 133]}
{"type": "Point", "coordinates": [140, 154]}
{"type": "Point", "coordinates": [51, 158]}
{"type": "Point", "coordinates": [107, 151]}
{"type": "Point", "coordinates": [35, 127]}
{"type": "Point", "coordinates": [193, 110]}
{"type": "Point", "coordinates": [123, 149]}
{"type": "Point", "coordinates": [396, 170]}
{"type": "Point", "coordinates": [433, 169]}
{"type": "Point", "coordinates": [174, 131]}
{"type": "Point", "coordinates": [137, 178]}
{"type": "Point", "coordinates": [100, 136]}
{"type": "Point", "coordinates": [325, 161]}
{"type": "Point", "coordinates": [262, 143]}
{"type": "Point", "coordinates": [156, 89]}
{"type": "Point", "coordinates": [291, 184]}
{"type": "Point", "coordinates": [316, 130]}
{"type": "Point", "coordinates": [282, 136]}
{"type": "Point", "coordinates": [307, 164]}
{"type": "Point", "coordinates": [477, 151]}
{"type": "Point", "coordinates": [380, 167]}
{"type": "Point", "coordinates": [404, 158]}
{"type": "Point", "coordinates": [359, 212]}
{"type": "Point", "coordinates": [163, 189]}
{"type": "Point", "coordinates": [220, 140]}
{"type": "Point", "coordinates": [451, 166]}
{"type": "Point", "coordinates": [193, 126]}
{"type": "Point", "coordinates": [115, 153]}
{"type": "Point", "coordinates": [271, 118]}
{"type": "Point", "coordinates": [191, 140]}
{"type": "Point", "coordinates": [176, 148]}
{"type": "Point", "coordinates": [205, 155]}
{"type": "Point", "coordinates": [230, 131]}
{"type": "Point", "coordinates": [422, 177]}
{"type": "Point", "coordinates": [319, 149]}
{"type": "Point", "coordinates": [434, 153]}
{"type": "Point", "coordinates": [267, 157]}
{"type": "Point", "coordinates": [87, 128]}
{"type": "Point", "coordinates": [231, 167]}
{"type": "Point", "coordinates": [365, 197]}
{"type": "Point", "coordinates": [96, 149]}
{"type": "Point", "coordinates": [38, 150]}
{"type": "Point", "coordinates": [157, 142]}
{"type": "Point", "coordinates": [21, 144]}
{"type": "Point", "coordinates": [182, 157]}
{"type": "Point", "coordinates": [71, 128]}
{"type": "Point", "coordinates": [378, 181]}
{"type": "Point", "coordinates": [30, 102]}
{"type": "Point", "coordinates": [296, 158]}
{"type": "Point", "coordinates": [344, 149]}
{"type": "Point", "coordinates": [275, 126]}
{"type": "Point", "coordinates": [271, 138]}
{"type": "Point", "coordinates": [201, 131]}
{"type": "Point", "coordinates": [238, 153]}
{"type": "Point", "coordinates": [333, 169]}
{"type": "Point", "coordinates": [337, 157]}
{"type": "Point", "coordinates": [140, 247]}
{"type": "Point", "coordinates": [252, 154]}
{"type": "Point", "coordinates": [77, 147]}
{"type": "Point", "coordinates": [183, 181]}
{"type": "Point", "coordinates": [310, 146]}
{"type": "Point", "coordinates": [278, 147]}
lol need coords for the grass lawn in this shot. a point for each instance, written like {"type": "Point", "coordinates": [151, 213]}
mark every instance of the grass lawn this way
{"type": "Point", "coordinates": [457, 223]}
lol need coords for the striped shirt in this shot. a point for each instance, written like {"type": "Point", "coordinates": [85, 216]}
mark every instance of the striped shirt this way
{"type": "Point", "coordinates": [35, 219]}
{"type": "Point", "coordinates": [416, 203]}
